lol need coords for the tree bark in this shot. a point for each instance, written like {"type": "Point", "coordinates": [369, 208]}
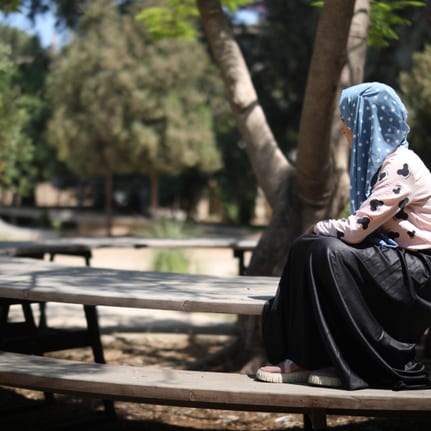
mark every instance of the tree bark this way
{"type": "Point", "coordinates": [319, 187]}
{"type": "Point", "coordinates": [108, 203]}
{"type": "Point", "coordinates": [315, 167]}
{"type": "Point", "coordinates": [314, 190]}
{"type": "Point", "coordinates": [268, 162]}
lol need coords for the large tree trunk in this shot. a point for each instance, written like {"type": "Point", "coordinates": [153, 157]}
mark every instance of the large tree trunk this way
{"type": "Point", "coordinates": [318, 186]}
{"type": "Point", "coordinates": [299, 196]}
{"type": "Point", "coordinates": [315, 169]}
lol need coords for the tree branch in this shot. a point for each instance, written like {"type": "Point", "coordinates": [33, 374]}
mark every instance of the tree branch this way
{"type": "Point", "coordinates": [268, 162]}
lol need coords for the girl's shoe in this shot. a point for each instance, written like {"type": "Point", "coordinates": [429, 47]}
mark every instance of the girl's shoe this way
{"type": "Point", "coordinates": [284, 372]}
{"type": "Point", "coordinates": [325, 377]}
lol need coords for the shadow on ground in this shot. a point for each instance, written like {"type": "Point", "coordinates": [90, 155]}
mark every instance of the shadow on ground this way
{"type": "Point", "coordinates": [30, 412]}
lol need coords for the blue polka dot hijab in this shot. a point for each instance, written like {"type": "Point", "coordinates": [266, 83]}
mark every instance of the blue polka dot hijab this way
{"type": "Point", "coordinates": [377, 118]}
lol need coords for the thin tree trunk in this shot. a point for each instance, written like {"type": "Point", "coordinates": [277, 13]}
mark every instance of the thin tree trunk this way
{"type": "Point", "coordinates": [108, 203]}
{"type": "Point", "coordinates": [319, 184]}
{"type": "Point", "coordinates": [154, 198]}
{"type": "Point", "coordinates": [269, 164]}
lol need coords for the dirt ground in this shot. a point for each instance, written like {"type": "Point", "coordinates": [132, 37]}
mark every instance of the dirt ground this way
{"type": "Point", "coordinates": [169, 341]}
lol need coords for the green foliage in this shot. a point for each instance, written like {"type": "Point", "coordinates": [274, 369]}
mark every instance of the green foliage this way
{"type": "Point", "coordinates": [236, 184]}
{"type": "Point", "coordinates": [124, 104]}
{"type": "Point", "coordinates": [27, 83]}
{"type": "Point", "coordinates": [16, 149]}
{"type": "Point", "coordinates": [177, 18]}
{"type": "Point", "coordinates": [170, 261]}
{"type": "Point", "coordinates": [345, 212]}
{"type": "Point", "coordinates": [384, 18]}
{"type": "Point", "coordinates": [166, 228]}
{"type": "Point", "coordinates": [416, 93]}
{"type": "Point", "coordinates": [10, 5]}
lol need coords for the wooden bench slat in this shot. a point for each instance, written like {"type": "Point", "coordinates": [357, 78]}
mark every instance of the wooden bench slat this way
{"type": "Point", "coordinates": [102, 242]}
{"type": "Point", "coordinates": [27, 279]}
{"type": "Point", "coordinates": [181, 387]}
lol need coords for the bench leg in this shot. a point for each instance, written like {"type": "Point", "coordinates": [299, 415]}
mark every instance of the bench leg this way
{"type": "Point", "coordinates": [29, 318]}
{"type": "Point", "coordinates": [97, 347]}
{"type": "Point", "coordinates": [241, 265]}
{"type": "Point", "coordinates": [315, 420]}
{"type": "Point", "coordinates": [31, 326]}
{"type": "Point", "coordinates": [42, 315]}
{"type": "Point", "coordinates": [94, 333]}
{"type": "Point", "coordinates": [4, 312]}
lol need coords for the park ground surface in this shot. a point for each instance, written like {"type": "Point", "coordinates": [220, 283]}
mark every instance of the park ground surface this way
{"type": "Point", "coordinates": [168, 339]}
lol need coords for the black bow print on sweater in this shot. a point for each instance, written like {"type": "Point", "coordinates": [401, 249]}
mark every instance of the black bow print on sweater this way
{"type": "Point", "coordinates": [402, 215]}
{"type": "Point", "coordinates": [393, 235]}
{"type": "Point", "coordinates": [404, 171]}
{"type": "Point", "coordinates": [375, 203]}
{"type": "Point", "coordinates": [364, 221]}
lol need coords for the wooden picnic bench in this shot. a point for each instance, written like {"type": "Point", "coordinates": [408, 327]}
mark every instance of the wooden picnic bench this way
{"type": "Point", "coordinates": [43, 281]}
{"type": "Point", "coordinates": [83, 246]}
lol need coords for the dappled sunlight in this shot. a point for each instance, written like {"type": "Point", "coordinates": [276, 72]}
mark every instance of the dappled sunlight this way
{"type": "Point", "coordinates": [50, 282]}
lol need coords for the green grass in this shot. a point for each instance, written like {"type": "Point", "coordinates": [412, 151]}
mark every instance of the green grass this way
{"type": "Point", "coordinates": [168, 260]}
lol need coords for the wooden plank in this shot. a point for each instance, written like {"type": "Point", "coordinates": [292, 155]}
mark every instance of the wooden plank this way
{"type": "Point", "coordinates": [54, 248]}
{"type": "Point", "coordinates": [26, 279]}
{"type": "Point", "coordinates": [224, 390]}
{"type": "Point", "coordinates": [101, 242]}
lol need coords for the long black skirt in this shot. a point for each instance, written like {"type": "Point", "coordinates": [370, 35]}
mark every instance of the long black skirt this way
{"type": "Point", "coordinates": [360, 308]}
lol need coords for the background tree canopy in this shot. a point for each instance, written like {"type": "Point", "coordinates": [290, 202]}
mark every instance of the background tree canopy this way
{"type": "Point", "coordinates": [23, 112]}
{"type": "Point", "coordinates": [16, 150]}
{"type": "Point", "coordinates": [123, 104]}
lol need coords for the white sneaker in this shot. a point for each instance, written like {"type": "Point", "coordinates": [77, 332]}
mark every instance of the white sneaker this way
{"type": "Point", "coordinates": [282, 373]}
{"type": "Point", "coordinates": [325, 377]}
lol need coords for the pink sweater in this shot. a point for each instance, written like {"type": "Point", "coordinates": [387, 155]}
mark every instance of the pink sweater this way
{"type": "Point", "coordinates": [399, 204]}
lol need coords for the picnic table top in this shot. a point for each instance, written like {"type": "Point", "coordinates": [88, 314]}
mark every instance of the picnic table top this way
{"type": "Point", "coordinates": [34, 280]}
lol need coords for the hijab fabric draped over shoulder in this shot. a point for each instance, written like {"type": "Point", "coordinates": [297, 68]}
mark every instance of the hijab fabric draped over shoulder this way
{"type": "Point", "coordinates": [378, 120]}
